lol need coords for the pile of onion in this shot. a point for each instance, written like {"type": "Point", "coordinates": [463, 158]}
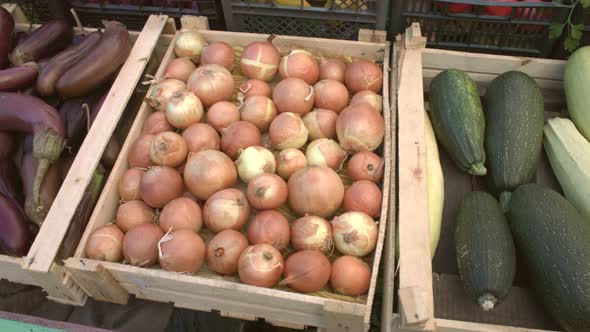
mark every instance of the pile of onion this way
{"type": "Point", "coordinates": [184, 109]}
{"type": "Point", "coordinates": [312, 233]}
{"type": "Point", "coordinates": [181, 213]}
{"type": "Point", "coordinates": [156, 123]}
{"type": "Point", "coordinates": [360, 128]}
{"type": "Point", "coordinates": [300, 64]}
{"type": "Point", "coordinates": [363, 75]}
{"type": "Point", "coordinates": [364, 196]}
{"type": "Point", "coordinates": [260, 265]}
{"type": "Point", "coordinates": [355, 233]}
{"type": "Point", "coordinates": [181, 251]}
{"type": "Point", "coordinates": [332, 69]}
{"type": "Point", "coordinates": [253, 161]}
{"type": "Point", "coordinates": [105, 244]}
{"type": "Point", "coordinates": [287, 130]}
{"type": "Point", "coordinates": [201, 136]}
{"type": "Point", "coordinates": [293, 95]}
{"type": "Point", "coordinates": [270, 227]}
{"type": "Point", "coordinates": [325, 152]}
{"type": "Point", "coordinates": [221, 114]}
{"type": "Point", "coordinates": [290, 161]}
{"type": "Point", "coordinates": [254, 87]}
{"type": "Point", "coordinates": [224, 250]}
{"type": "Point", "coordinates": [129, 184]}
{"type": "Point", "coordinates": [212, 84]}
{"type": "Point", "coordinates": [134, 213]}
{"type": "Point", "coordinates": [168, 149]}
{"type": "Point", "coordinates": [260, 60]}
{"type": "Point", "coordinates": [350, 276]}
{"type": "Point", "coordinates": [162, 91]}
{"type": "Point", "coordinates": [307, 271]}
{"type": "Point", "coordinates": [239, 135]}
{"type": "Point", "coordinates": [315, 190]}
{"type": "Point", "coordinates": [220, 53]}
{"type": "Point", "coordinates": [258, 110]}
{"type": "Point", "coordinates": [321, 123]}
{"type": "Point", "coordinates": [366, 165]}
{"type": "Point", "coordinates": [180, 69]}
{"type": "Point", "coordinates": [140, 245]}
{"type": "Point", "coordinates": [368, 97]}
{"type": "Point", "coordinates": [208, 172]}
{"type": "Point", "coordinates": [190, 44]}
{"type": "Point", "coordinates": [139, 153]}
{"type": "Point", "coordinates": [226, 209]}
{"type": "Point", "coordinates": [159, 185]}
{"type": "Point", "coordinates": [267, 191]}
{"type": "Point", "coordinates": [331, 94]}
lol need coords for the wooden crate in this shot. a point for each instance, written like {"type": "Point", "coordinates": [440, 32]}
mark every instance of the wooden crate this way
{"type": "Point", "coordinates": [430, 294]}
{"type": "Point", "coordinates": [205, 291]}
{"type": "Point", "coordinates": [40, 267]}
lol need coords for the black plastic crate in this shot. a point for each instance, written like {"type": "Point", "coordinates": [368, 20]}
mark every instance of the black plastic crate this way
{"type": "Point", "coordinates": [336, 19]}
{"type": "Point", "coordinates": [134, 13]}
{"type": "Point", "coordinates": [522, 28]}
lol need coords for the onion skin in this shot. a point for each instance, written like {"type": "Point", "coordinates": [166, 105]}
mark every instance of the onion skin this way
{"type": "Point", "coordinates": [184, 252]}
{"type": "Point", "coordinates": [270, 227]}
{"type": "Point", "coordinates": [134, 213]}
{"type": "Point", "coordinates": [254, 87]}
{"type": "Point", "coordinates": [360, 128]}
{"type": "Point", "coordinates": [290, 161]}
{"type": "Point", "coordinates": [224, 250]}
{"type": "Point", "coordinates": [369, 97]}
{"type": "Point", "coordinates": [162, 91]}
{"type": "Point", "coordinates": [331, 94]}
{"type": "Point", "coordinates": [355, 233]}
{"type": "Point", "coordinates": [226, 209]}
{"type": "Point", "coordinates": [366, 165]}
{"type": "Point", "coordinates": [293, 95]}
{"type": "Point", "coordinates": [159, 185]}
{"type": "Point", "coordinates": [312, 233]}
{"type": "Point", "coordinates": [300, 64]}
{"type": "Point", "coordinates": [180, 69]}
{"type": "Point", "coordinates": [260, 265]}
{"type": "Point", "coordinates": [332, 69]}
{"type": "Point", "coordinates": [220, 53]}
{"type": "Point", "coordinates": [260, 60]}
{"type": "Point", "coordinates": [258, 110]}
{"type": "Point", "coordinates": [140, 245]}
{"type": "Point", "coordinates": [208, 172]}
{"type": "Point", "coordinates": [325, 152]}
{"type": "Point", "coordinates": [129, 184]}
{"type": "Point", "coordinates": [321, 123]}
{"type": "Point", "coordinates": [168, 149]}
{"type": "Point", "coordinates": [267, 191]}
{"type": "Point", "coordinates": [190, 44]}
{"type": "Point", "coordinates": [105, 244]}
{"type": "Point", "coordinates": [306, 271]}
{"type": "Point", "coordinates": [350, 276]}
{"type": "Point", "coordinates": [237, 136]}
{"type": "Point", "coordinates": [139, 154]}
{"type": "Point", "coordinates": [364, 75]}
{"type": "Point", "coordinates": [364, 196]}
{"type": "Point", "coordinates": [287, 130]}
{"type": "Point", "coordinates": [221, 114]}
{"type": "Point", "coordinates": [181, 213]}
{"type": "Point", "coordinates": [184, 109]}
{"type": "Point", "coordinates": [201, 136]}
{"type": "Point", "coordinates": [253, 161]}
{"type": "Point", "coordinates": [315, 190]}
{"type": "Point", "coordinates": [212, 84]}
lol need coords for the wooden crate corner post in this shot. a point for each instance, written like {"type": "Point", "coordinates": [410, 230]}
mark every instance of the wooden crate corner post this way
{"type": "Point", "coordinates": [415, 289]}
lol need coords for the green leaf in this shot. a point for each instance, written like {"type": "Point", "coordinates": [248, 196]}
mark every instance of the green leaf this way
{"type": "Point", "coordinates": [555, 30]}
{"type": "Point", "coordinates": [571, 44]}
{"type": "Point", "coordinates": [576, 30]}
{"type": "Point", "coordinates": [585, 3]}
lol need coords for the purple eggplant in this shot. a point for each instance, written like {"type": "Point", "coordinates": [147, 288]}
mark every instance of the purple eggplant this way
{"type": "Point", "coordinates": [18, 78]}
{"type": "Point", "coordinates": [49, 39]}
{"type": "Point", "coordinates": [6, 29]}
{"type": "Point", "coordinates": [14, 234]}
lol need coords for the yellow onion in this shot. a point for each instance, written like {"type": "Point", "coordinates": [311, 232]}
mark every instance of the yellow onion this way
{"type": "Point", "coordinates": [321, 123]}
{"type": "Point", "coordinates": [325, 152]}
{"type": "Point", "coordinates": [260, 265]}
{"type": "Point", "coordinates": [350, 276]}
{"type": "Point", "coordinates": [104, 244]}
{"type": "Point", "coordinates": [333, 69]}
{"type": "Point", "coordinates": [293, 95]}
{"type": "Point", "coordinates": [258, 110]}
{"type": "Point", "coordinates": [288, 131]}
{"type": "Point", "coordinates": [360, 128]}
{"type": "Point", "coordinates": [312, 233]}
{"type": "Point", "coordinates": [355, 233]}
{"type": "Point", "coordinates": [267, 191]}
{"type": "Point", "coordinates": [290, 161]}
{"type": "Point", "coordinates": [184, 109]}
{"type": "Point", "coordinates": [315, 190]}
{"type": "Point", "coordinates": [208, 171]}
{"type": "Point", "coordinates": [331, 95]}
{"type": "Point", "coordinates": [180, 69]}
{"type": "Point", "coordinates": [300, 64]}
{"type": "Point", "coordinates": [253, 161]}
{"type": "Point", "coordinates": [226, 209]}
{"type": "Point", "coordinates": [168, 149]}
{"type": "Point", "coordinates": [363, 75]}
{"type": "Point", "coordinates": [369, 97]}
{"type": "Point", "coordinates": [211, 83]}
{"type": "Point", "coordinates": [162, 91]}
{"type": "Point", "coordinates": [190, 44]}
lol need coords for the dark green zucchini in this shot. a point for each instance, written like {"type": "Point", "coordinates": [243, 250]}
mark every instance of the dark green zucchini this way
{"type": "Point", "coordinates": [554, 240]}
{"type": "Point", "coordinates": [458, 119]}
{"type": "Point", "coordinates": [485, 250]}
{"type": "Point", "coordinates": [514, 131]}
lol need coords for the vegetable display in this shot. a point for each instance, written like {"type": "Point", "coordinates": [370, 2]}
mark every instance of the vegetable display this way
{"type": "Point", "coordinates": [577, 69]}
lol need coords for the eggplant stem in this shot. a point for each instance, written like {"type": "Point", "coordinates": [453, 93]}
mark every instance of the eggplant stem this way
{"type": "Point", "coordinates": [42, 168]}
{"type": "Point", "coordinates": [77, 19]}
{"type": "Point", "coordinates": [86, 110]}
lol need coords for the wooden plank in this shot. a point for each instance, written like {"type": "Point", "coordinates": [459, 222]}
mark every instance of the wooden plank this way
{"type": "Point", "coordinates": [196, 22]}
{"type": "Point", "coordinates": [16, 12]}
{"type": "Point", "coordinates": [11, 270]}
{"type": "Point", "coordinates": [46, 244]}
{"type": "Point", "coordinates": [373, 36]}
{"type": "Point", "coordinates": [445, 325]}
{"type": "Point", "coordinates": [341, 317]}
{"type": "Point", "coordinates": [415, 266]}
